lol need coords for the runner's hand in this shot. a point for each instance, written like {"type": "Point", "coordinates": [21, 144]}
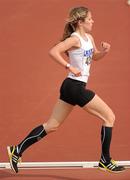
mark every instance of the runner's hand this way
{"type": "Point", "coordinates": [105, 47]}
{"type": "Point", "coordinates": [75, 71]}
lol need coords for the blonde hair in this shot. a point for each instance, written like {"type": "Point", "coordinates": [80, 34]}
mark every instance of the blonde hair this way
{"type": "Point", "coordinates": [76, 14]}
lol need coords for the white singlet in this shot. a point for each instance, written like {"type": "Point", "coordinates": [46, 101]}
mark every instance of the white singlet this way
{"type": "Point", "coordinates": [81, 58]}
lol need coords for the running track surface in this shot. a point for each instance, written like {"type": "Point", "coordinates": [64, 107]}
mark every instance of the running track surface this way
{"type": "Point", "coordinates": [30, 81]}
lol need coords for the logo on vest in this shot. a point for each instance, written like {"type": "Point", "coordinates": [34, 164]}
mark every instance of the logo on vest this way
{"type": "Point", "coordinates": [88, 54]}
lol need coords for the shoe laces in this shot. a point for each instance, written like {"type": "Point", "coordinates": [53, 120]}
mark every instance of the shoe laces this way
{"type": "Point", "coordinates": [15, 158]}
{"type": "Point", "coordinates": [114, 162]}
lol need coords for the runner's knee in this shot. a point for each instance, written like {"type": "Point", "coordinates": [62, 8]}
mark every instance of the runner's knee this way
{"type": "Point", "coordinates": [110, 119]}
{"type": "Point", "coordinates": [51, 126]}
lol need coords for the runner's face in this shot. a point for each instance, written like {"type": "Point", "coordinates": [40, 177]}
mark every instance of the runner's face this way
{"type": "Point", "coordinates": [88, 23]}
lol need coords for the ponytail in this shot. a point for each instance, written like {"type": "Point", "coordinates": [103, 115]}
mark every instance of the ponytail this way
{"type": "Point", "coordinates": [68, 30]}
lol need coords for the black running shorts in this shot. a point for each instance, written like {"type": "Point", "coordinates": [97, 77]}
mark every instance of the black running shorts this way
{"type": "Point", "coordinates": [75, 93]}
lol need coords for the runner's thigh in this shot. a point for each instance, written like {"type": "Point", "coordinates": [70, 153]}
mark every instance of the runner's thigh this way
{"type": "Point", "coordinates": [100, 109]}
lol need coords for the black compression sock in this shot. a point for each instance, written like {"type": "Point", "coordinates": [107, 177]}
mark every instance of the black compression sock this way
{"type": "Point", "coordinates": [34, 136]}
{"type": "Point", "coordinates": [106, 135]}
